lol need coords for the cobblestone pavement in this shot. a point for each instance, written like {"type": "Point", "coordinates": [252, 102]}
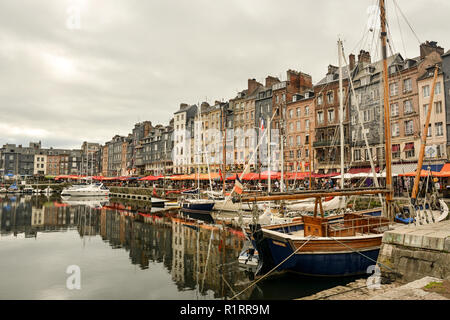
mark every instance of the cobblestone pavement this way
{"type": "Point", "coordinates": [358, 290]}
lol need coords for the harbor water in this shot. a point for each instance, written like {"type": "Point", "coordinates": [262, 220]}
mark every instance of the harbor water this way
{"type": "Point", "coordinates": [107, 249]}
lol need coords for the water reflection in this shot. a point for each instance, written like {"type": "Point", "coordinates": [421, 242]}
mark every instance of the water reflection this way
{"type": "Point", "coordinates": [198, 260]}
{"type": "Point", "coordinates": [199, 257]}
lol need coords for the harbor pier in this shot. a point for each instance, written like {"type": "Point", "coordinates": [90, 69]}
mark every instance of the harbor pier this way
{"type": "Point", "coordinates": [413, 252]}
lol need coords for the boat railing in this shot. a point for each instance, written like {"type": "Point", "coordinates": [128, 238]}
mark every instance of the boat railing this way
{"type": "Point", "coordinates": [358, 225]}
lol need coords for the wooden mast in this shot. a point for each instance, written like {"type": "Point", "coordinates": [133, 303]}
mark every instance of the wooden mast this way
{"type": "Point", "coordinates": [423, 141]}
{"type": "Point", "coordinates": [387, 120]}
{"type": "Point", "coordinates": [341, 113]}
{"type": "Point", "coordinates": [224, 148]}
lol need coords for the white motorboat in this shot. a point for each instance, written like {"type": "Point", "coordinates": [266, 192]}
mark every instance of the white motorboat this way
{"type": "Point", "coordinates": [47, 191]}
{"type": "Point", "coordinates": [86, 190]}
{"type": "Point", "coordinates": [92, 202]}
{"type": "Point", "coordinates": [28, 189]}
{"type": "Point", "coordinates": [3, 190]}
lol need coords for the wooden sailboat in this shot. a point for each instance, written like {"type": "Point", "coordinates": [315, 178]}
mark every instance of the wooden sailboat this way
{"type": "Point", "coordinates": [329, 246]}
{"type": "Point", "coordinates": [196, 206]}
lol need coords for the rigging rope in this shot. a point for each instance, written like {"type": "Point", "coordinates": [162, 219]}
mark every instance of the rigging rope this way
{"type": "Point", "coordinates": [274, 268]}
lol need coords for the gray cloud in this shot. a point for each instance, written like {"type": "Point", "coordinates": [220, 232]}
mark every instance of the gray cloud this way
{"type": "Point", "coordinates": [138, 60]}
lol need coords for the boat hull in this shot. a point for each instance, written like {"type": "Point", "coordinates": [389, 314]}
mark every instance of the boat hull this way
{"type": "Point", "coordinates": [321, 256]}
{"type": "Point", "coordinates": [323, 264]}
{"type": "Point", "coordinates": [206, 207]}
{"type": "Point", "coordinates": [85, 193]}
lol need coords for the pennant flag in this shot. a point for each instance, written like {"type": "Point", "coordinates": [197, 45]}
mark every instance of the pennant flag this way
{"type": "Point", "coordinates": [238, 187]}
{"type": "Point", "coordinates": [221, 176]}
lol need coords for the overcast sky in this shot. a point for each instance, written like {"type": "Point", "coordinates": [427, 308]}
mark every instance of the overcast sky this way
{"type": "Point", "coordinates": [65, 80]}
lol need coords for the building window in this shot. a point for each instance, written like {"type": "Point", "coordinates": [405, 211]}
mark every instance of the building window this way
{"type": "Point", "coordinates": [408, 108]}
{"type": "Point", "coordinates": [298, 140]}
{"type": "Point", "coordinates": [320, 117]}
{"type": "Point", "coordinates": [393, 89]}
{"type": "Point", "coordinates": [395, 151]}
{"type": "Point", "coordinates": [429, 130]}
{"type": "Point", "coordinates": [395, 129]}
{"type": "Point", "coordinates": [440, 150]}
{"type": "Point", "coordinates": [425, 110]}
{"type": "Point", "coordinates": [298, 112]}
{"type": "Point", "coordinates": [330, 115]}
{"type": "Point", "coordinates": [307, 139]}
{"type": "Point", "coordinates": [438, 107]}
{"type": "Point", "coordinates": [409, 150]}
{"type": "Point", "coordinates": [439, 129]}
{"type": "Point", "coordinates": [357, 155]}
{"type": "Point", "coordinates": [367, 115]}
{"type": "Point", "coordinates": [299, 153]}
{"type": "Point", "coordinates": [306, 110]}
{"type": "Point", "coordinates": [291, 127]}
{"type": "Point", "coordinates": [437, 88]}
{"type": "Point", "coordinates": [319, 100]}
{"type": "Point", "coordinates": [298, 125]}
{"type": "Point", "coordinates": [291, 141]}
{"type": "Point", "coordinates": [409, 128]}
{"type": "Point", "coordinates": [291, 113]}
{"type": "Point", "coordinates": [426, 91]}
{"type": "Point", "coordinates": [394, 109]}
{"type": "Point", "coordinates": [330, 97]}
{"type": "Point", "coordinates": [407, 85]}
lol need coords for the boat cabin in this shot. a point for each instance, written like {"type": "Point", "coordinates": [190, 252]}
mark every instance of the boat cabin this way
{"type": "Point", "coordinates": [350, 225]}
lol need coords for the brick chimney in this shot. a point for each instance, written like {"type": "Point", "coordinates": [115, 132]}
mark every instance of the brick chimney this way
{"type": "Point", "coordinates": [364, 56]}
{"type": "Point", "coordinates": [305, 82]}
{"type": "Point", "coordinates": [351, 59]}
{"type": "Point", "coordinates": [332, 69]}
{"type": "Point", "coordinates": [429, 47]}
{"type": "Point", "coordinates": [270, 81]}
{"type": "Point", "coordinates": [252, 86]}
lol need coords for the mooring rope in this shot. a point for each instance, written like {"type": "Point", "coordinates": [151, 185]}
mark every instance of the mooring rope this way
{"type": "Point", "coordinates": [273, 269]}
{"type": "Point", "coordinates": [226, 282]}
{"type": "Point", "coordinates": [376, 262]}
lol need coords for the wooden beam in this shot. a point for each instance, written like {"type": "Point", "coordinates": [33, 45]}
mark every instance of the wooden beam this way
{"type": "Point", "coordinates": [312, 194]}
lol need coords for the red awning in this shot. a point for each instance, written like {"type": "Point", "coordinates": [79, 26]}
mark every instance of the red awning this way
{"type": "Point", "coordinates": [273, 175]}
{"type": "Point", "coordinates": [362, 170]}
{"type": "Point", "coordinates": [395, 147]}
{"type": "Point", "coordinates": [296, 175]}
{"type": "Point", "coordinates": [409, 146]}
{"type": "Point", "coordinates": [423, 173]}
{"type": "Point", "coordinates": [325, 175]}
{"type": "Point", "coordinates": [149, 178]}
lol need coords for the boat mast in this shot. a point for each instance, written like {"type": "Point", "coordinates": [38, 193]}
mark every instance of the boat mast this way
{"type": "Point", "coordinates": [281, 131]}
{"type": "Point", "coordinates": [423, 141]}
{"type": "Point", "coordinates": [269, 165]}
{"type": "Point", "coordinates": [224, 148]}
{"type": "Point", "coordinates": [341, 112]}
{"type": "Point", "coordinates": [387, 120]}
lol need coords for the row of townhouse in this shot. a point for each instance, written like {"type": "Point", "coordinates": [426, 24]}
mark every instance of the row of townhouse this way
{"type": "Point", "coordinates": [17, 160]}
{"type": "Point", "coordinates": [305, 119]}
{"type": "Point", "coordinates": [304, 123]}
